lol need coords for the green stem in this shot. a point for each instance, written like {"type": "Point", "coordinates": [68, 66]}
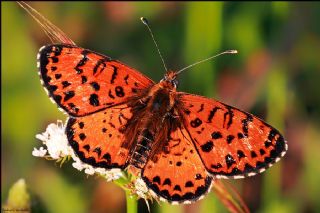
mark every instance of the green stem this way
{"type": "Point", "coordinates": [132, 204]}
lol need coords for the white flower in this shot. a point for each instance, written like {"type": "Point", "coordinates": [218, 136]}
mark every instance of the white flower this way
{"type": "Point", "coordinates": [41, 152]}
{"type": "Point", "coordinates": [89, 171]}
{"type": "Point", "coordinates": [112, 174]}
{"type": "Point", "coordinates": [141, 189]}
{"type": "Point", "coordinates": [78, 165]}
{"type": "Point", "coordinates": [56, 140]}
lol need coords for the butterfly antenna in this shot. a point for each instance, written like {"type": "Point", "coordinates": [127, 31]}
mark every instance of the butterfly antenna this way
{"type": "Point", "coordinates": [145, 22]}
{"type": "Point", "coordinates": [207, 59]}
{"type": "Point", "coordinates": [54, 33]}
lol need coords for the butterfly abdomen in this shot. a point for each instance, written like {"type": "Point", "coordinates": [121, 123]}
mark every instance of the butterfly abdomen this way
{"type": "Point", "coordinates": [142, 149]}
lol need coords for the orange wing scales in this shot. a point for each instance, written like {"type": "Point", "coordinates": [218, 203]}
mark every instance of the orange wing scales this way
{"type": "Point", "coordinates": [82, 82]}
{"type": "Point", "coordinates": [176, 173]}
{"type": "Point", "coordinates": [230, 142]}
{"type": "Point", "coordinates": [97, 139]}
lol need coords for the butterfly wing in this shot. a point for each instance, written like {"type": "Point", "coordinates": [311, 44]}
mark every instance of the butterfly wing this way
{"type": "Point", "coordinates": [230, 142]}
{"type": "Point", "coordinates": [176, 173]}
{"type": "Point", "coordinates": [98, 139]}
{"type": "Point", "coordinates": [81, 81]}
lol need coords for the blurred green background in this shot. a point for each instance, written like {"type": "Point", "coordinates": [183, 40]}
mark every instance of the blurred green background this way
{"type": "Point", "coordinates": [276, 76]}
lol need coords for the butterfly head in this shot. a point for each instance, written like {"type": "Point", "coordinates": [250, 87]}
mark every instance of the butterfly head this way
{"type": "Point", "coordinates": [170, 80]}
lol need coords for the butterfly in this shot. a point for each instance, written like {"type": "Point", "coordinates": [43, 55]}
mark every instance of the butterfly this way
{"type": "Point", "coordinates": [177, 143]}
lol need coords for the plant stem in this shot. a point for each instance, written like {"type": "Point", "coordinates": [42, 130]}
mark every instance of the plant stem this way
{"type": "Point", "coordinates": [132, 204]}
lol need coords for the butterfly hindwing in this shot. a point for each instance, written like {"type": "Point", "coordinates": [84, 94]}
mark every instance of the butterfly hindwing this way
{"type": "Point", "coordinates": [176, 173]}
{"type": "Point", "coordinates": [230, 142]}
{"type": "Point", "coordinates": [98, 139]}
{"type": "Point", "coordinates": [81, 81]}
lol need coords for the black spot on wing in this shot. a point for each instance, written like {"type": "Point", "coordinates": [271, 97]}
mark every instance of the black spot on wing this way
{"type": "Point", "coordinates": [68, 95]}
{"type": "Point", "coordinates": [177, 188]}
{"type": "Point", "coordinates": [100, 66]}
{"type": "Point", "coordinates": [126, 79]}
{"type": "Point", "coordinates": [82, 62]}
{"type": "Point", "coordinates": [167, 181]}
{"type": "Point", "coordinates": [114, 74]}
{"type": "Point", "coordinates": [212, 113]}
{"type": "Point", "coordinates": [272, 134]}
{"type": "Point", "coordinates": [110, 94]}
{"type": "Point", "coordinates": [240, 154]}
{"type": "Point", "coordinates": [52, 88]}
{"type": "Point", "coordinates": [107, 157]}
{"type": "Point", "coordinates": [228, 116]}
{"type": "Point", "coordinates": [83, 79]}
{"type": "Point", "coordinates": [57, 98]}
{"type": "Point", "coordinates": [94, 100]}
{"type": "Point", "coordinates": [73, 107]}
{"type": "Point", "coordinates": [262, 152]}
{"type": "Point", "coordinates": [81, 125]}
{"type": "Point", "coordinates": [82, 136]}
{"type": "Point", "coordinates": [87, 147]}
{"type": "Point", "coordinates": [95, 86]}
{"type": "Point", "coordinates": [98, 151]}
{"type": "Point", "coordinates": [189, 184]}
{"type": "Point", "coordinates": [156, 179]}
{"type": "Point", "coordinates": [198, 176]}
{"type": "Point", "coordinates": [57, 76]}
{"type": "Point", "coordinates": [216, 135]}
{"type": "Point", "coordinates": [54, 59]}
{"type": "Point", "coordinates": [216, 166]}
{"type": "Point", "coordinates": [245, 124]}
{"type": "Point", "coordinates": [207, 147]}
{"type": "Point", "coordinates": [240, 135]}
{"type": "Point", "coordinates": [201, 108]}
{"type": "Point", "coordinates": [267, 144]}
{"type": "Point", "coordinates": [134, 90]}
{"type": "Point", "coordinates": [230, 138]}
{"type": "Point", "coordinates": [280, 145]}
{"type": "Point", "coordinates": [65, 84]}
{"type": "Point", "coordinates": [195, 123]}
{"type": "Point", "coordinates": [253, 154]}
{"type": "Point", "coordinates": [119, 91]}
{"type": "Point", "coordinates": [229, 161]}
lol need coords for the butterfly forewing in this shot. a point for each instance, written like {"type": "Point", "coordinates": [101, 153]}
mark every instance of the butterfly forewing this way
{"type": "Point", "coordinates": [230, 142]}
{"type": "Point", "coordinates": [176, 173]}
{"type": "Point", "coordinates": [82, 82]}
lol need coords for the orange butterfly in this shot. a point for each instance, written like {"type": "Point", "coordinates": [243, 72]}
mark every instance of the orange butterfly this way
{"type": "Point", "coordinates": [176, 142]}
